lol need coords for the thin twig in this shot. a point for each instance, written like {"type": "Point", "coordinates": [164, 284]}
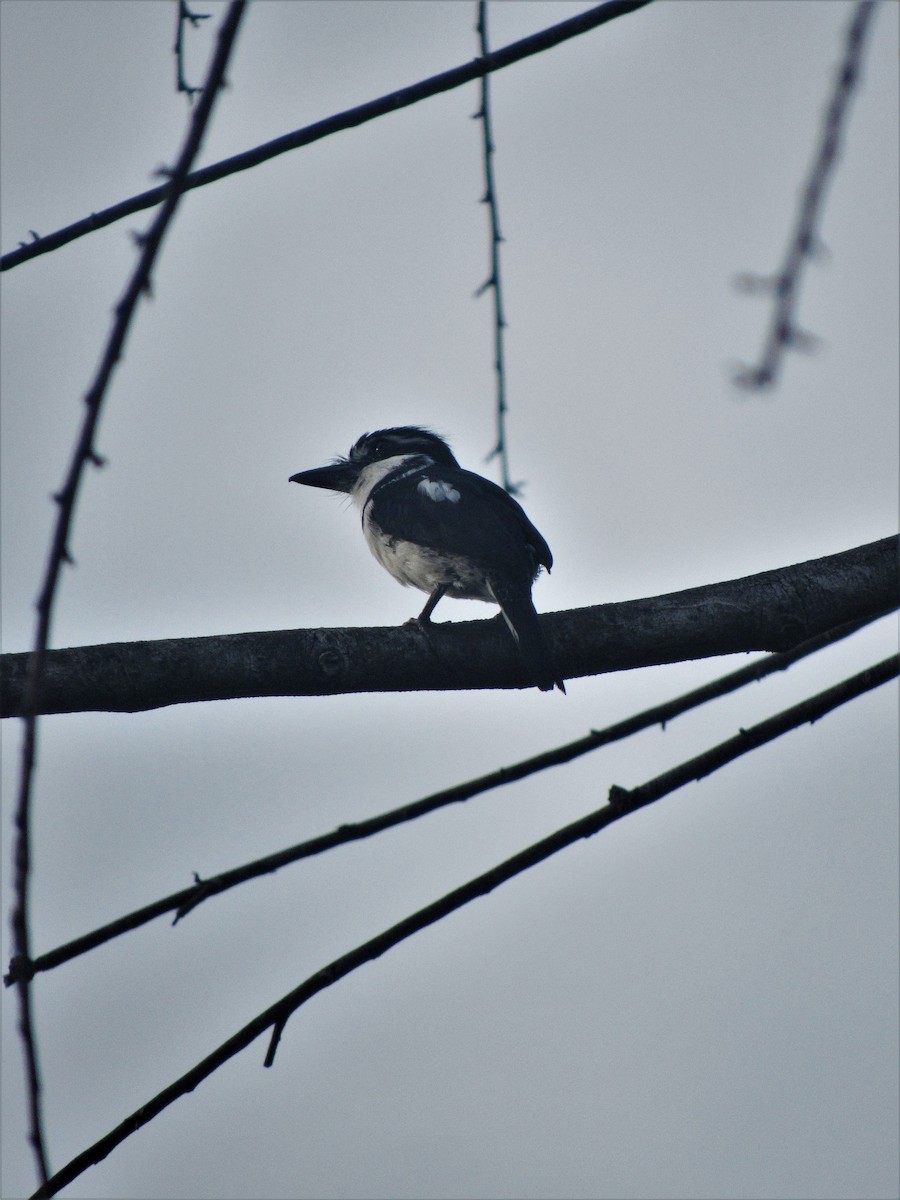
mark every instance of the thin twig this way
{"type": "Point", "coordinates": [390, 103]}
{"type": "Point", "coordinates": [784, 333]}
{"type": "Point", "coordinates": [184, 16]}
{"type": "Point", "coordinates": [184, 901]}
{"type": "Point", "coordinates": [84, 454]}
{"type": "Point", "coordinates": [493, 282]}
{"type": "Point", "coordinates": [621, 803]}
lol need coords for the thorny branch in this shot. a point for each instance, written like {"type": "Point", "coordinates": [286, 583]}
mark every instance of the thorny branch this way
{"type": "Point", "coordinates": [185, 16]}
{"type": "Point", "coordinates": [85, 453]}
{"type": "Point", "coordinates": [493, 282]}
{"type": "Point", "coordinates": [621, 803]}
{"type": "Point", "coordinates": [784, 333]}
{"type": "Point", "coordinates": [352, 117]}
{"type": "Point", "coordinates": [184, 901]}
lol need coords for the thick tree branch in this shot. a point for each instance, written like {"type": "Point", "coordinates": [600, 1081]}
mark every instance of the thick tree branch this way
{"type": "Point", "coordinates": [775, 610]}
{"type": "Point", "coordinates": [349, 119]}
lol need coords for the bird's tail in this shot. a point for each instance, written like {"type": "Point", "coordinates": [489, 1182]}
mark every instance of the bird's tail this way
{"type": "Point", "coordinates": [525, 626]}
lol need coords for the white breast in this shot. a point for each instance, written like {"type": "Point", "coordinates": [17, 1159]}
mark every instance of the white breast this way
{"type": "Point", "coordinates": [419, 567]}
{"type": "Point", "coordinates": [409, 563]}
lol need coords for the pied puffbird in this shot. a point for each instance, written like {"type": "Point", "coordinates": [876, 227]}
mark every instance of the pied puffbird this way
{"type": "Point", "coordinates": [445, 531]}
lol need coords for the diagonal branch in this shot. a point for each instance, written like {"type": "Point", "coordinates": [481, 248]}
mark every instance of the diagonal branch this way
{"type": "Point", "coordinates": [621, 803]}
{"type": "Point", "coordinates": [774, 610]}
{"type": "Point", "coordinates": [783, 331]}
{"type": "Point", "coordinates": [544, 40]}
{"type": "Point", "coordinates": [187, 899]}
{"type": "Point", "coordinates": [83, 454]}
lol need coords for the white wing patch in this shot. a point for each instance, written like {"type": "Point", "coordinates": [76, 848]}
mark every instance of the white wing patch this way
{"type": "Point", "coordinates": [437, 489]}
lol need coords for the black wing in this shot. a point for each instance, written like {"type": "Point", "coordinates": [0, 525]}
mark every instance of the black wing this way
{"type": "Point", "coordinates": [484, 524]}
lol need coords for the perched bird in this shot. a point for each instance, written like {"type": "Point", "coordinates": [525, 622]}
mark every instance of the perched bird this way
{"type": "Point", "coordinates": [445, 531]}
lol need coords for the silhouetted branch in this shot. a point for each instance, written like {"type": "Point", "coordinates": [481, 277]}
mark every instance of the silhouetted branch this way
{"type": "Point", "coordinates": [775, 610]}
{"type": "Point", "coordinates": [83, 454]}
{"type": "Point", "coordinates": [493, 282]}
{"type": "Point", "coordinates": [184, 16]}
{"type": "Point", "coordinates": [783, 332]}
{"type": "Point", "coordinates": [621, 803]}
{"type": "Point", "coordinates": [184, 901]}
{"type": "Point", "coordinates": [534, 44]}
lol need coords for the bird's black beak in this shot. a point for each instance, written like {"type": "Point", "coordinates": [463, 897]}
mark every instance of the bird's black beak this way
{"type": "Point", "coordinates": [336, 477]}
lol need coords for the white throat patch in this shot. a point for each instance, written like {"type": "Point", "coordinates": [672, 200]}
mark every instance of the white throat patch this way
{"type": "Point", "coordinates": [374, 473]}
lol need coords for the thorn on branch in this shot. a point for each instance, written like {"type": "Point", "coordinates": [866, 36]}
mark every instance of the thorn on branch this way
{"type": "Point", "coordinates": [204, 888]}
{"type": "Point", "coordinates": [754, 285]}
{"type": "Point", "coordinates": [801, 339]}
{"type": "Point", "coordinates": [194, 18]}
{"type": "Point", "coordinates": [277, 1031]}
{"type": "Point", "coordinates": [753, 378]}
{"type": "Point", "coordinates": [617, 798]}
{"type": "Point", "coordinates": [21, 969]}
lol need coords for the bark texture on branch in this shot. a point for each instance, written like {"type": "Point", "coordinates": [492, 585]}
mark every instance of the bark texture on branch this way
{"type": "Point", "coordinates": [774, 610]}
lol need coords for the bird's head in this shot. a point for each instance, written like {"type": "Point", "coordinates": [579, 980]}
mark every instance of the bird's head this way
{"type": "Point", "coordinates": [385, 450]}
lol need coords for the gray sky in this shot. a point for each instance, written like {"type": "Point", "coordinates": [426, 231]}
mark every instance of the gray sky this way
{"type": "Point", "coordinates": [702, 1000]}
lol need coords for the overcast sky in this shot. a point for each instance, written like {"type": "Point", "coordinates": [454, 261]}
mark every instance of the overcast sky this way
{"type": "Point", "coordinates": [702, 1000]}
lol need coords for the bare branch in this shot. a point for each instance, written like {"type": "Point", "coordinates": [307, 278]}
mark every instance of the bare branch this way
{"type": "Point", "coordinates": [775, 610]}
{"type": "Point", "coordinates": [84, 454]}
{"type": "Point", "coordinates": [493, 282]}
{"type": "Point", "coordinates": [544, 40]}
{"type": "Point", "coordinates": [185, 16]}
{"type": "Point", "coordinates": [784, 333]}
{"type": "Point", "coordinates": [621, 803]}
{"type": "Point", "coordinates": [184, 901]}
